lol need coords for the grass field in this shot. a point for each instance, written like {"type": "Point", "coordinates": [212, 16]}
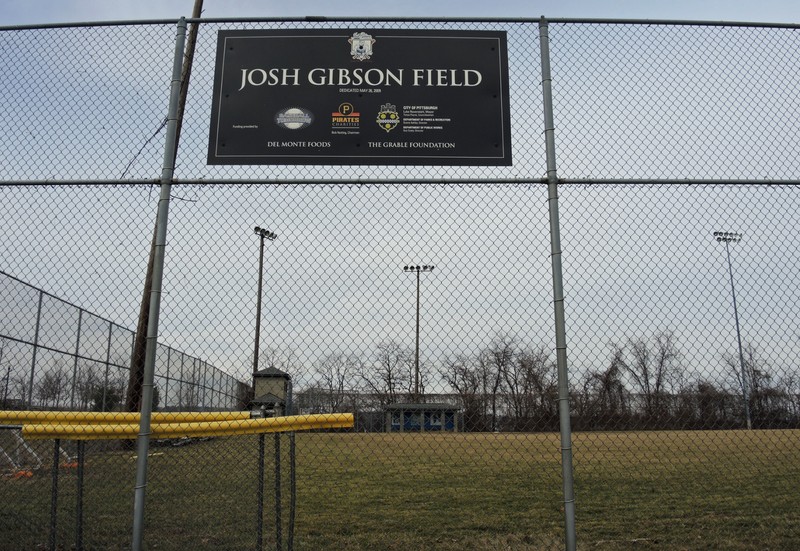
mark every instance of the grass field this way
{"type": "Point", "coordinates": [646, 490]}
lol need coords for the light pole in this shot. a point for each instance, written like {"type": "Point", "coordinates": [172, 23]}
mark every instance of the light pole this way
{"type": "Point", "coordinates": [728, 238]}
{"type": "Point", "coordinates": [262, 234]}
{"type": "Point", "coordinates": [418, 270]}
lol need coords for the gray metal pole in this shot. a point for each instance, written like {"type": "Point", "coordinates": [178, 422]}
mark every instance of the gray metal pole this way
{"type": "Point", "coordinates": [416, 268]}
{"type": "Point", "coordinates": [258, 303]}
{"type": "Point", "coordinates": [260, 495]}
{"type": "Point", "coordinates": [745, 389]}
{"type": "Point", "coordinates": [75, 363]}
{"type": "Point", "coordinates": [558, 293]}
{"type": "Point", "coordinates": [143, 442]}
{"type": "Point", "coordinates": [278, 499]}
{"type": "Point", "coordinates": [416, 351]}
{"type": "Point", "coordinates": [35, 349]}
{"type": "Point", "coordinates": [108, 363]}
{"type": "Point", "coordinates": [292, 472]}
{"type": "Point", "coordinates": [54, 497]}
{"type": "Point", "coordinates": [79, 496]}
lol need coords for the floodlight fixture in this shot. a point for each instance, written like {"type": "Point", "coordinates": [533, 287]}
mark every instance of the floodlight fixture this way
{"type": "Point", "coordinates": [418, 269]}
{"type": "Point", "coordinates": [727, 237]}
{"type": "Point", "coordinates": [265, 234]}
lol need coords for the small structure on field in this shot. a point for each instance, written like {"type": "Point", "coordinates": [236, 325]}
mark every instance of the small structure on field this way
{"type": "Point", "coordinates": [270, 387]}
{"type": "Point", "coordinates": [422, 418]}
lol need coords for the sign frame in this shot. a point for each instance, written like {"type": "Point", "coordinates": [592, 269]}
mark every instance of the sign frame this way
{"type": "Point", "coordinates": [360, 97]}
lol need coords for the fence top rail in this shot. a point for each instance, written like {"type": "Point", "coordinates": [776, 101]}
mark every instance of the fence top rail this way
{"type": "Point", "coordinates": [671, 22]}
{"type": "Point", "coordinates": [353, 19]}
{"type": "Point", "coordinates": [409, 181]}
{"type": "Point", "coordinates": [281, 181]}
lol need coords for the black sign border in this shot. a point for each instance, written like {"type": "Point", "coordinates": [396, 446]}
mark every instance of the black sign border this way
{"type": "Point", "coordinates": [504, 158]}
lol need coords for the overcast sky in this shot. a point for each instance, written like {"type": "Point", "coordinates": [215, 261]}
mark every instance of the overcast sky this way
{"type": "Point", "coordinates": [22, 12]}
{"type": "Point", "coordinates": [344, 287]}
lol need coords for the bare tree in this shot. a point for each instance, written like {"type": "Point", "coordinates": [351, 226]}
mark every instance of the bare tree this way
{"type": "Point", "coordinates": [541, 380]}
{"type": "Point", "coordinates": [388, 376]}
{"type": "Point", "coordinates": [189, 395]}
{"type": "Point", "coordinates": [335, 372]}
{"type": "Point", "coordinates": [494, 361]}
{"type": "Point", "coordinates": [311, 400]}
{"type": "Point", "coordinates": [605, 396]}
{"type": "Point", "coordinates": [713, 405]}
{"type": "Point", "coordinates": [88, 378]}
{"type": "Point", "coordinates": [654, 367]}
{"type": "Point", "coordinates": [517, 385]}
{"type": "Point", "coordinates": [466, 379]}
{"type": "Point", "coordinates": [791, 386]}
{"type": "Point", "coordinates": [51, 387]}
{"type": "Point", "coordinates": [19, 384]}
{"type": "Point", "coordinates": [284, 359]}
{"type": "Point", "coordinates": [764, 399]}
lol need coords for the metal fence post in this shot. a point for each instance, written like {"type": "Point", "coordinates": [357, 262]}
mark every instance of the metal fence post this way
{"type": "Point", "coordinates": [558, 294]}
{"type": "Point", "coordinates": [143, 442]}
{"type": "Point", "coordinates": [79, 496]}
{"type": "Point", "coordinates": [54, 496]}
{"type": "Point", "coordinates": [292, 473]}
{"type": "Point", "coordinates": [260, 495]}
{"type": "Point", "coordinates": [278, 500]}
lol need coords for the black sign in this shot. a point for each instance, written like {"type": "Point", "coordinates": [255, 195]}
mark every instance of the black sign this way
{"type": "Point", "coordinates": [357, 97]}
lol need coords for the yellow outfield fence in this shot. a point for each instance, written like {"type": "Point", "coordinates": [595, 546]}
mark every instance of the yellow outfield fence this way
{"type": "Point", "coordinates": [105, 426]}
{"type": "Point", "coordinates": [116, 417]}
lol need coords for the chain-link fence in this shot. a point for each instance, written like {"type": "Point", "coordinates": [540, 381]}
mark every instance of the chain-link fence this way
{"type": "Point", "coordinates": [678, 225]}
{"type": "Point", "coordinates": [59, 356]}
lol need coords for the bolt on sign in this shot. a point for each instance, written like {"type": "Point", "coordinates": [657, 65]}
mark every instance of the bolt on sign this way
{"type": "Point", "coordinates": [360, 97]}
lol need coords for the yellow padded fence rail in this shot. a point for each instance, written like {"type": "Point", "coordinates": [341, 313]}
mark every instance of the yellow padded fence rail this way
{"type": "Point", "coordinates": [54, 427]}
{"type": "Point", "coordinates": [115, 417]}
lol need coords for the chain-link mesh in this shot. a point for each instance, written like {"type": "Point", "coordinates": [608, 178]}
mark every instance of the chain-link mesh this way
{"type": "Point", "coordinates": [657, 380]}
{"type": "Point", "coordinates": [675, 101]}
{"type": "Point", "coordinates": [459, 448]}
{"type": "Point", "coordinates": [84, 103]}
{"type": "Point", "coordinates": [59, 356]}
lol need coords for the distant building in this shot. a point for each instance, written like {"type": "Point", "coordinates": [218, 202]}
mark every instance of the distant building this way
{"type": "Point", "coordinates": [421, 418]}
{"type": "Point", "coordinates": [270, 388]}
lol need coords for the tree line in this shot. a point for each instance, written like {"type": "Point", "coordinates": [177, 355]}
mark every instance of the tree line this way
{"type": "Point", "coordinates": [509, 385]}
{"type": "Point", "coordinates": [54, 387]}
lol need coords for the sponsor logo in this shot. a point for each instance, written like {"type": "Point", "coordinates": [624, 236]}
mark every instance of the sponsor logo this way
{"type": "Point", "coordinates": [294, 118]}
{"type": "Point", "coordinates": [361, 46]}
{"type": "Point", "coordinates": [345, 118]}
{"type": "Point", "coordinates": [388, 118]}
